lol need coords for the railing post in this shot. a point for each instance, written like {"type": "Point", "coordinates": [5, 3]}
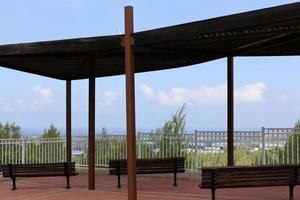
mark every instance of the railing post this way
{"type": "Point", "coordinates": [196, 151]}
{"type": "Point", "coordinates": [263, 146]}
{"type": "Point", "coordinates": [23, 141]}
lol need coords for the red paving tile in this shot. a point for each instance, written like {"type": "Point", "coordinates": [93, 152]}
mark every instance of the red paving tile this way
{"type": "Point", "coordinates": [149, 188]}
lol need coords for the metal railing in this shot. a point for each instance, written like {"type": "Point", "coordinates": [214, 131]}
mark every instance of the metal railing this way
{"type": "Point", "coordinates": [32, 150]}
{"type": "Point", "coordinates": [203, 148]}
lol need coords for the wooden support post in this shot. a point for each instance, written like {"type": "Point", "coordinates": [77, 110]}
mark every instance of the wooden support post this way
{"type": "Point", "coordinates": [68, 121]}
{"type": "Point", "coordinates": [130, 103]}
{"type": "Point", "coordinates": [230, 112]}
{"type": "Point", "coordinates": [91, 145]}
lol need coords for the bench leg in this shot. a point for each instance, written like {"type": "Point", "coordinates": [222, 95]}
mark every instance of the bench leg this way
{"type": "Point", "coordinates": [119, 181]}
{"type": "Point", "coordinates": [68, 182]}
{"type": "Point", "coordinates": [175, 178]}
{"type": "Point", "coordinates": [291, 192]}
{"type": "Point", "coordinates": [14, 183]}
{"type": "Point", "coordinates": [213, 194]}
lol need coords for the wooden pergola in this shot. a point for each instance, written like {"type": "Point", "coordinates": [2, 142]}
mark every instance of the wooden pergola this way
{"type": "Point", "coordinates": [268, 32]}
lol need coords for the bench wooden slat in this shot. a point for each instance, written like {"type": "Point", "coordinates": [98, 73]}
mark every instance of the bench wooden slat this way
{"type": "Point", "coordinates": [250, 176]}
{"type": "Point", "coordinates": [39, 170]}
{"type": "Point", "coordinates": [250, 182]}
{"type": "Point", "coordinates": [254, 184]}
{"type": "Point", "coordinates": [235, 177]}
{"type": "Point", "coordinates": [148, 166]}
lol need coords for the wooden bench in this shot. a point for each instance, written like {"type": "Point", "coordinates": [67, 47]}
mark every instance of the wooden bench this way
{"type": "Point", "coordinates": [148, 166]}
{"type": "Point", "coordinates": [13, 171]}
{"type": "Point", "coordinates": [256, 176]}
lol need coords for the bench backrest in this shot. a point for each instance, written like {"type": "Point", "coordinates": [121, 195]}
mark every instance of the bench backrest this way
{"type": "Point", "coordinates": [149, 166]}
{"type": "Point", "coordinates": [235, 177]}
{"type": "Point", "coordinates": [39, 169]}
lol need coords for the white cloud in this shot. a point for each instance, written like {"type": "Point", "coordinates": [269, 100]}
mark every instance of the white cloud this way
{"type": "Point", "coordinates": [250, 93]}
{"type": "Point", "coordinates": [108, 99]}
{"type": "Point", "coordinates": [146, 90]}
{"type": "Point", "coordinates": [44, 93]}
{"type": "Point", "coordinates": [201, 95]}
{"type": "Point", "coordinates": [44, 96]}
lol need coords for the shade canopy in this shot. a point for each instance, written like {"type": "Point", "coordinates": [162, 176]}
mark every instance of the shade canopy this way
{"type": "Point", "coordinates": [267, 32]}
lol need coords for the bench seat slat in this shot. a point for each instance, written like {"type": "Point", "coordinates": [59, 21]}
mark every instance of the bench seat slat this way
{"type": "Point", "coordinates": [249, 177]}
{"type": "Point", "coordinates": [254, 173]}
{"type": "Point", "coordinates": [148, 166]}
{"type": "Point", "coordinates": [250, 168]}
{"type": "Point", "coordinates": [254, 184]}
{"type": "Point", "coordinates": [38, 170]}
{"type": "Point", "coordinates": [143, 171]}
{"type": "Point", "coordinates": [42, 174]}
{"type": "Point", "coordinates": [262, 181]}
{"type": "Point", "coordinates": [161, 165]}
{"type": "Point", "coordinates": [236, 179]}
{"type": "Point", "coordinates": [245, 176]}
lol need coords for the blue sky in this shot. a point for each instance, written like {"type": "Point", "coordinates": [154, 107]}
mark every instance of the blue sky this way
{"type": "Point", "coordinates": [267, 89]}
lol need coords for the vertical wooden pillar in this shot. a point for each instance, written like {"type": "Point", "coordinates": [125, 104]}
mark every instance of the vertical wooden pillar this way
{"type": "Point", "coordinates": [230, 112]}
{"type": "Point", "coordinates": [130, 103]}
{"type": "Point", "coordinates": [91, 135]}
{"type": "Point", "coordinates": [68, 121]}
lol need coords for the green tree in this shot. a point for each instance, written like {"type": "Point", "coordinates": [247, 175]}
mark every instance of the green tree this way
{"type": "Point", "coordinates": [10, 152]}
{"type": "Point", "coordinates": [51, 132]}
{"type": "Point", "coordinates": [101, 147]}
{"type": "Point", "coordinates": [104, 132]}
{"type": "Point", "coordinates": [171, 143]}
{"type": "Point", "coordinates": [176, 124]}
{"type": "Point", "coordinates": [108, 148]}
{"type": "Point", "coordinates": [293, 145]}
{"type": "Point", "coordinates": [10, 131]}
{"type": "Point", "coordinates": [51, 148]}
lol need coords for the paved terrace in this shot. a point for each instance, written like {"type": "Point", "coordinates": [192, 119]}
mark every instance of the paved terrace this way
{"type": "Point", "coordinates": [149, 188]}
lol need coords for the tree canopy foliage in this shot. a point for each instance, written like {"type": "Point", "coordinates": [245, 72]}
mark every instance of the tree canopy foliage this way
{"type": "Point", "coordinates": [51, 132]}
{"type": "Point", "coordinates": [10, 131]}
{"type": "Point", "coordinates": [176, 124]}
{"type": "Point", "coordinates": [297, 127]}
{"type": "Point", "coordinates": [104, 132]}
{"type": "Point", "coordinates": [170, 141]}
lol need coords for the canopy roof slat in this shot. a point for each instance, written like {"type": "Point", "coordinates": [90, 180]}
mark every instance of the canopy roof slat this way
{"type": "Point", "coordinates": [163, 48]}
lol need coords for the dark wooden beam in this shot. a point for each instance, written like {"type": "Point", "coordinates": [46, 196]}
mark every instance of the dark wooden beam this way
{"type": "Point", "coordinates": [230, 112]}
{"type": "Point", "coordinates": [62, 47]}
{"type": "Point", "coordinates": [265, 43]}
{"type": "Point", "coordinates": [91, 135]}
{"type": "Point", "coordinates": [68, 121]}
{"type": "Point", "coordinates": [130, 102]}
